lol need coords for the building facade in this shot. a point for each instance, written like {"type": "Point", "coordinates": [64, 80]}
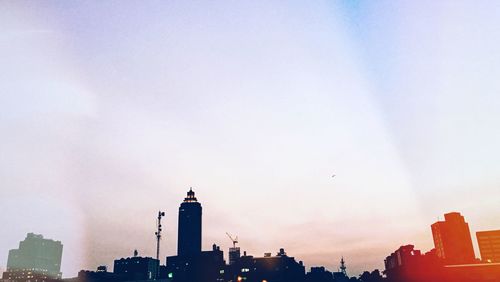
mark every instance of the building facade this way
{"type": "Point", "coordinates": [279, 268]}
{"type": "Point", "coordinates": [136, 268]}
{"type": "Point", "coordinates": [37, 259]}
{"type": "Point", "coordinates": [452, 239]}
{"type": "Point", "coordinates": [489, 245]}
{"type": "Point", "coordinates": [410, 265]}
{"type": "Point", "coordinates": [234, 254]}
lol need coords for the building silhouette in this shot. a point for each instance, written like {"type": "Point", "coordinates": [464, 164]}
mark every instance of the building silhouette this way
{"type": "Point", "coordinates": [128, 269]}
{"type": "Point", "coordinates": [101, 275]}
{"type": "Point", "coordinates": [201, 267]}
{"type": "Point", "coordinates": [409, 265]}
{"type": "Point", "coordinates": [234, 252]}
{"type": "Point", "coordinates": [489, 245]}
{"type": "Point", "coordinates": [234, 255]}
{"type": "Point", "coordinates": [452, 239]}
{"type": "Point", "coordinates": [191, 264]}
{"type": "Point", "coordinates": [36, 259]}
{"type": "Point", "coordinates": [189, 230]}
{"type": "Point", "coordinates": [452, 259]}
{"type": "Point", "coordinates": [136, 268]}
{"type": "Point", "coordinates": [279, 268]}
{"type": "Point", "coordinates": [319, 274]}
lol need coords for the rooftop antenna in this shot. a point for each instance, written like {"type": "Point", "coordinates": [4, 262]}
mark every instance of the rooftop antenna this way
{"type": "Point", "coordinates": [343, 268]}
{"type": "Point", "coordinates": [158, 234]}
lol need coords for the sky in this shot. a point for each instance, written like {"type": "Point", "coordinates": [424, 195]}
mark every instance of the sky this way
{"type": "Point", "coordinates": [110, 111]}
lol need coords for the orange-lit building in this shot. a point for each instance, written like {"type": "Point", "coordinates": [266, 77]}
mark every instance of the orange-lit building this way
{"type": "Point", "coordinates": [489, 245]}
{"type": "Point", "coordinates": [407, 264]}
{"type": "Point", "coordinates": [452, 239]}
{"type": "Point", "coordinates": [476, 272]}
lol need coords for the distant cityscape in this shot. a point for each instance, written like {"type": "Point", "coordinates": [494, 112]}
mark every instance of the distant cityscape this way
{"type": "Point", "coordinates": [38, 259]}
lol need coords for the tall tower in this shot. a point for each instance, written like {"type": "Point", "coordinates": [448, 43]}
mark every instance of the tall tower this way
{"type": "Point", "coordinates": [452, 239]}
{"type": "Point", "coordinates": [189, 231]}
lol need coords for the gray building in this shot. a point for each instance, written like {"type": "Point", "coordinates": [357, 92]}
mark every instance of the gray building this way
{"type": "Point", "coordinates": [37, 259]}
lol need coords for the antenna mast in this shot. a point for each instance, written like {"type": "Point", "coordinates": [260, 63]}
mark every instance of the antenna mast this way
{"type": "Point", "coordinates": [158, 234]}
{"type": "Point", "coordinates": [343, 268]}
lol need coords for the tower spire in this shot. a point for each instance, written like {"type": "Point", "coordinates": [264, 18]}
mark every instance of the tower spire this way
{"type": "Point", "coordinates": [190, 196]}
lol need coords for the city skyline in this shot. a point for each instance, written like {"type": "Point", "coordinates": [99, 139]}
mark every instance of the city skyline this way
{"type": "Point", "coordinates": [109, 111]}
{"type": "Point", "coordinates": [451, 259]}
{"type": "Point", "coordinates": [452, 245]}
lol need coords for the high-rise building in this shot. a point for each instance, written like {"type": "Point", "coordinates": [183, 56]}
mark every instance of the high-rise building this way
{"type": "Point", "coordinates": [452, 239]}
{"type": "Point", "coordinates": [189, 230]}
{"type": "Point", "coordinates": [234, 254]}
{"type": "Point", "coordinates": [489, 245]}
{"type": "Point", "coordinates": [36, 259]}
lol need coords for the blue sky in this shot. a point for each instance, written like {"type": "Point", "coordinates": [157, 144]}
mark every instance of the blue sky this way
{"type": "Point", "coordinates": [110, 111]}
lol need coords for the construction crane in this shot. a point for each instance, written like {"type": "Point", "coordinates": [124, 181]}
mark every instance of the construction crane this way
{"type": "Point", "coordinates": [234, 252]}
{"type": "Point", "coordinates": [234, 240]}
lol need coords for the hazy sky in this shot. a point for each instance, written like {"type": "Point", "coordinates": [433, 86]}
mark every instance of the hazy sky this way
{"type": "Point", "coordinates": [110, 111]}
